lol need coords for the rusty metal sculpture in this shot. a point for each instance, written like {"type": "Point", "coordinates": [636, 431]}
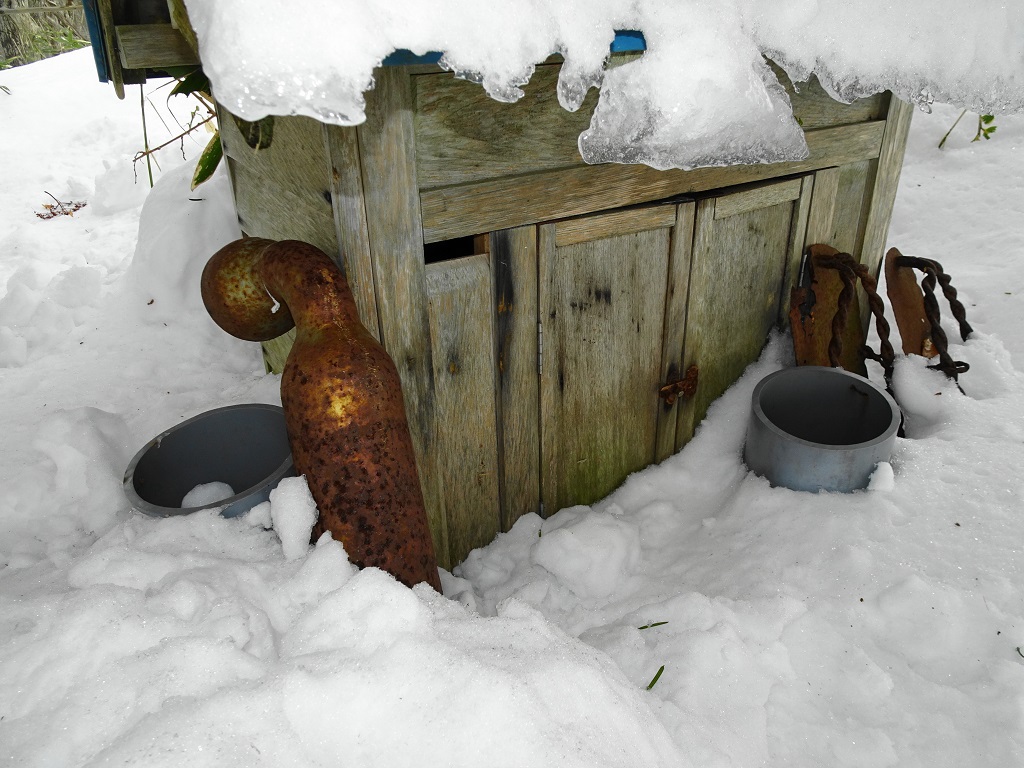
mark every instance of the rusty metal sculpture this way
{"type": "Point", "coordinates": [341, 395]}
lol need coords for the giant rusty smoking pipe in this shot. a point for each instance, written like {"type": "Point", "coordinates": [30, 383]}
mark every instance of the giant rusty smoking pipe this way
{"type": "Point", "coordinates": [341, 395]}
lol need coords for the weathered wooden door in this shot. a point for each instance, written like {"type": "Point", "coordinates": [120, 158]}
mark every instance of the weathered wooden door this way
{"type": "Point", "coordinates": [746, 253]}
{"type": "Point", "coordinates": [612, 293]}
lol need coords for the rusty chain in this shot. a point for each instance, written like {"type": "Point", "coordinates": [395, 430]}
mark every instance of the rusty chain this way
{"type": "Point", "coordinates": [850, 270]}
{"type": "Point", "coordinates": [933, 273]}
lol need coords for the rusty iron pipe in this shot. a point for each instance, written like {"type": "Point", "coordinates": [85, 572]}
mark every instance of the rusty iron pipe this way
{"type": "Point", "coordinates": [342, 399]}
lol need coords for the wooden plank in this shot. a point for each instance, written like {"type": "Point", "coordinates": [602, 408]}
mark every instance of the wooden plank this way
{"type": "Point", "coordinates": [282, 192]}
{"type": "Point", "coordinates": [677, 293]}
{"type": "Point", "coordinates": [814, 108]}
{"type": "Point", "coordinates": [153, 46]}
{"type": "Point", "coordinates": [883, 194]}
{"type": "Point", "coordinates": [797, 235]}
{"type": "Point", "coordinates": [349, 206]}
{"type": "Point", "coordinates": [623, 222]}
{"type": "Point", "coordinates": [468, 209]}
{"type": "Point", "coordinates": [459, 295]}
{"type": "Point", "coordinates": [853, 200]}
{"type": "Point", "coordinates": [514, 264]}
{"type": "Point", "coordinates": [114, 70]}
{"type": "Point", "coordinates": [760, 196]}
{"type": "Point", "coordinates": [821, 222]}
{"type": "Point", "coordinates": [181, 22]}
{"type": "Point", "coordinates": [388, 164]}
{"type": "Point", "coordinates": [602, 310]}
{"type": "Point", "coordinates": [464, 136]}
{"type": "Point", "coordinates": [738, 267]}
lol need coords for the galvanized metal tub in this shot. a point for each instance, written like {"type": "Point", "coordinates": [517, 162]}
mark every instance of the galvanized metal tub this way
{"type": "Point", "coordinates": [245, 446]}
{"type": "Point", "coordinates": [814, 429]}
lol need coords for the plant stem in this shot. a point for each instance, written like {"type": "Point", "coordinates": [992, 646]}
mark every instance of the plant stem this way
{"type": "Point", "coordinates": [951, 129]}
{"type": "Point", "coordinates": [145, 136]}
{"type": "Point", "coordinates": [181, 135]}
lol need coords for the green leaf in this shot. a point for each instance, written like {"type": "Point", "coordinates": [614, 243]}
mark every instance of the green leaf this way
{"type": "Point", "coordinates": [657, 675]}
{"type": "Point", "coordinates": [208, 161]}
{"type": "Point", "coordinates": [653, 624]}
{"type": "Point", "coordinates": [196, 80]}
{"type": "Point", "coordinates": [986, 119]}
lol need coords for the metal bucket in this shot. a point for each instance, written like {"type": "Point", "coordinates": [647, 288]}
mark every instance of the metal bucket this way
{"type": "Point", "coordinates": [245, 446]}
{"type": "Point", "coordinates": [814, 428]}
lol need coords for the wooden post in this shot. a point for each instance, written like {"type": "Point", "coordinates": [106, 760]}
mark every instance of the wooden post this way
{"type": "Point", "coordinates": [392, 206]}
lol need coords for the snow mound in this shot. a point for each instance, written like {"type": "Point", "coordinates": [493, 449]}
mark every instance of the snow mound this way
{"type": "Point", "coordinates": [701, 95]}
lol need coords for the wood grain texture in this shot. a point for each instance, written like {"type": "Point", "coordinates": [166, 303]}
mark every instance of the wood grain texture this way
{"type": "Point", "coordinates": [282, 192]}
{"type": "Point", "coordinates": [469, 209]}
{"type": "Point", "coordinates": [760, 196]}
{"type": "Point", "coordinates": [388, 169]}
{"type": "Point", "coordinates": [181, 22]}
{"type": "Point", "coordinates": [821, 221]}
{"type": "Point", "coordinates": [461, 333]}
{"type": "Point", "coordinates": [153, 46]}
{"type": "Point", "coordinates": [349, 206]}
{"type": "Point", "coordinates": [464, 136]}
{"type": "Point", "coordinates": [883, 193]}
{"type": "Point", "coordinates": [602, 309]}
{"type": "Point", "coordinates": [814, 108]}
{"type": "Point", "coordinates": [794, 259]}
{"type": "Point", "coordinates": [677, 290]}
{"type": "Point", "coordinates": [514, 265]}
{"type": "Point", "coordinates": [615, 223]}
{"type": "Point", "coordinates": [114, 70]}
{"type": "Point", "coordinates": [738, 268]}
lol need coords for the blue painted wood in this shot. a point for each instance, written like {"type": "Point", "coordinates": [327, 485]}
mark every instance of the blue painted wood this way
{"type": "Point", "coordinates": [625, 41]}
{"type": "Point", "coordinates": [99, 51]}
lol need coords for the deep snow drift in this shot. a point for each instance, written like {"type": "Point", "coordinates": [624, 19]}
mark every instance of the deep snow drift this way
{"type": "Point", "coordinates": [872, 629]}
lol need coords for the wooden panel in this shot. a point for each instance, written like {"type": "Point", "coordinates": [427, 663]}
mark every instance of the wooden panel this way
{"type": "Point", "coordinates": [114, 70]}
{"type": "Point", "coordinates": [814, 108]}
{"type": "Point", "coordinates": [459, 295]}
{"type": "Point", "coordinates": [283, 192]}
{"type": "Point", "coordinates": [181, 22]}
{"type": "Point", "coordinates": [821, 222]}
{"type": "Point", "coordinates": [396, 242]}
{"type": "Point", "coordinates": [153, 46]}
{"type": "Point", "coordinates": [514, 264]}
{"type": "Point", "coordinates": [350, 221]}
{"type": "Point", "coordinates": [464, 136]}
{"type": "Point", "coordinates": [853, 200]}
{"type": "Point", "coordinates": [674, 334]}
{"type": "Point", "coordinates": [624, 222]}
{"type": "Point", "coordinates": [738, 268]}
{"type": "Point", "coordinates": [883, 194]}
{"type": "Point", "coordinates": [602, 310]}
{"type": "Point", "coordinates": [468, 209]}
{"type": "Point", "coordinates": [794, 258]}
{"type": "Point", "coordinates": [760, 196]}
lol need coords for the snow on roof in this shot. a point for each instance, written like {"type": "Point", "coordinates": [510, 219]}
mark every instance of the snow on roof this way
{"type": "Point", "coordinates": [701, 95]}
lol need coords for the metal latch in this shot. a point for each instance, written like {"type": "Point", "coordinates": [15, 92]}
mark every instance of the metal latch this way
{"type": "Point", "coordinates": [686, 387]}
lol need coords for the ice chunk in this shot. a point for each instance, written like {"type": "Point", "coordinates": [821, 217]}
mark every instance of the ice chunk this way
{"type": "Point", "coordinates": [207, 493]}
{"type": "Point", "coordinates": [294, 512]}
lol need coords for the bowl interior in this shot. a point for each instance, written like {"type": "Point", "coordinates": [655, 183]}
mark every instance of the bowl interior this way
{"type": "Point", "coordinates": [243, 446]}
{"type": "Point", "coordinates": [826, 406]}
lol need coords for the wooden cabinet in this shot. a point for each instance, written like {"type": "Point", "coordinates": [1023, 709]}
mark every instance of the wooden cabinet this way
{"type": "Point", "coordinates": [531, 363]}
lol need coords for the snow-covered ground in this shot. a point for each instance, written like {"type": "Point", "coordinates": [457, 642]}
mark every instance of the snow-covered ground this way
{"type": "Point", "coordinates": [878, 628]}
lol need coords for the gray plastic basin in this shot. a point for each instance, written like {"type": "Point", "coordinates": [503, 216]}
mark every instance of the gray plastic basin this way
{"type": "Point", "coordinates": [245, 446]}
{"type": "Point", "coordinates": [814, 429]}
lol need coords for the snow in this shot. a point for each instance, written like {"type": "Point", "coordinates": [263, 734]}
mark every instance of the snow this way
{"type": "Point", "coordinates": [293, 513]}
{"type": "Point", "coordinates": [875, 628]}
{"type": "Point", "coordinates": [207, 493]}
{"type": "Point", "coordinates": [701, 95]}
